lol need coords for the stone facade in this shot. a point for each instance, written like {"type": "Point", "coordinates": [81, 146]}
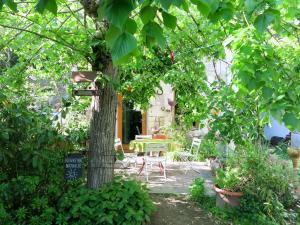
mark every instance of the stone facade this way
{"type": "Point", "coordinates": [161, 111]}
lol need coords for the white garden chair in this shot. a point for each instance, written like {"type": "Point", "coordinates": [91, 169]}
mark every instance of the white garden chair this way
{"type": "Point", "coordinates": [156, 153]}
{"type": "Point", "coordinates": [129, 158]}
{"type": "Point", "coordinates": [137, 137]}
{"type": "Point", "coordinates": [186, 155]}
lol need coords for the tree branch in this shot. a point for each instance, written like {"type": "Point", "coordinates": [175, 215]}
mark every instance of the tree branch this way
{"type": "Point", "coordinates": [73, 13]}
{"type": "Point", "coordinates": [16, 35]}
{"type": "Point", "coordinates": [215, 70]}
{"type": "Point", "coordinates": [44, 37]}
{"type": "Point", "coordinates": [196, 44]}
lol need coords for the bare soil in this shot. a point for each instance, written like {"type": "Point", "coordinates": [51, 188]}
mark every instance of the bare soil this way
{"type": "Point", "coordinates": [178, 210]}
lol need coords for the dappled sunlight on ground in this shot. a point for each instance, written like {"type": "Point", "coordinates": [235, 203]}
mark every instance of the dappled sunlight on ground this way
{"type": "Point", "coordinates": [177, 209]}
{"type": "Point", "coordinates": [179, 177]}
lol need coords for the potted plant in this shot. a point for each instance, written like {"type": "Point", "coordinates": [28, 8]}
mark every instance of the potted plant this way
{"type": "Point", "coordinates": [228, 187]}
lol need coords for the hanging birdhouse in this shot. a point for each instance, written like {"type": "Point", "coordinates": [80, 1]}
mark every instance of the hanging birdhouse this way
{"type": "Point", "coordinates": [83, 76]}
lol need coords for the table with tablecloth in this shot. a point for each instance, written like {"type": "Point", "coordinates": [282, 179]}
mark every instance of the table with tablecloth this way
{"type": "Point", "coordinates": [139, 144]}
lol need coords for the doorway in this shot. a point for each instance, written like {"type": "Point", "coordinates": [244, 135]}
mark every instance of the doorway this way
{"type": "Point", "coordinates": [131, 124]}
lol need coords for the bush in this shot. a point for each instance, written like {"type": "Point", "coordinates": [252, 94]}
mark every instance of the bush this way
{"type": "Point", "coordinates": [268, 186]}
{"type": "Point", "coordinates": [33, 190]}
{"type": "Point", "coordinates": [266, 183]}
{"type": "Point", "coordinates": [229, 179]}
{"type": "Point", "coordinates": [207, 149]}
{"type": "Point", "coordinates": [121, 202]}
{"type": "Point", "coordinates": [197, 190]}
{"type": "Point", "coordinates": [32, 164]}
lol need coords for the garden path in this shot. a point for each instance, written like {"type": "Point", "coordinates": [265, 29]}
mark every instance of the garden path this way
{"type": "Point", "coordinates": [178, 210]}
{"type": "Point", "coordinates": [171, 196]}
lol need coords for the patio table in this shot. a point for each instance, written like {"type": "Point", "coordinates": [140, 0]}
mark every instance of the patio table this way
{"type": "Point", "coordinates": [139, 144]}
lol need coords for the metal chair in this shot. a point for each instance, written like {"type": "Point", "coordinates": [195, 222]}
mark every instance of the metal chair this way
{"type": "Point", "coordinates": [128, 157]}
{"type": "Point", "coordinates": [143, 137]}
{"type": "Point", "coordinates": [155, 153]}
{"type": "Point", "coordinates": [186, 155]}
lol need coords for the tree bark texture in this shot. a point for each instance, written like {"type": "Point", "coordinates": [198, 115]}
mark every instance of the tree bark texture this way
{"type": "Point", "coordinates": [102, 154]}
{"type": "Point", "coordinates": [101, 157]}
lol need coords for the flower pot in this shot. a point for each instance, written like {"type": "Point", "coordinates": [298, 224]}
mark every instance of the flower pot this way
{"type": "Point", "coordinates": [294, 155]}
{"type": "Point", "coordinates": [227, 198]}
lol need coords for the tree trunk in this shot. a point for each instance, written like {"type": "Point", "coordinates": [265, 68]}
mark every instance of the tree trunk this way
{"type": "Point", "coordinates": [101, 156]}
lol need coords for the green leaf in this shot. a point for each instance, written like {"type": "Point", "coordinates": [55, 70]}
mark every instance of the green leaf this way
{"type": "Point", "coordinates": [123, 46]}
{"type": "Point", "coordinates": [49, 5]}
{"type": "Point", "coordinates": [145, 3]}
{"type": "Point", "coordinates": [117, 12]}
{"type": "Point", "coordinates": [291, 121]}
{"type": "Point", "coordinates": [178, 3]}
{"type": "Point", "coordinates": [120, 156]}
{"type": "Point", "coordinates": [206, 6]}
{"type": "Point", "coordinates": [130, 26]}
{"type": "Point", "coordinates": [152, 31]}
{"type": "Point", "coordinates": [267, 92]}
{"type": "Point", "coordinates": [169, 20]}
{"type": "Point", "coordinates": [63, 114]}
{"type": "Point", "coordinates": [1, 4]}
{"type": "Point", "coordinates": [202, 6]}
{"type": "Point", "coordinates": [185, 6]}
{"type": "Point", "coordinates": [226, 13]}
{"type": "Point", "coordinates": [101, 11]}
{"type": "Point", "coordinates": [250, 5]}
{"type": "Point", "coordinates": [111, 36]}
{"type": "Point", "coordinates": [166, 4]}
{"type": "Point", "coordinates": [264, 20]}
{"type": "Point", "coordinates": [147, 14]}
{"type": "Point", "coordinates": [35, 161]}
{"type": "Point", "coordinates": [10, 3]}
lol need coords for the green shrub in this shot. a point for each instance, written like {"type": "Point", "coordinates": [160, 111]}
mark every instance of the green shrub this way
{"type": "Point", "coordinates": [266, 183]}
{"type": "Point", "coordinates": [197, 190]}
{"type": "Point", "coordinates": [207, 149]}
{"type": "Point", "coordinates": [33, 190]}
{"type": "Point", "coordinates": [229, 179]}
{"type": "Point", "coordinates": [268, 186]}
{"type": "Point", "coordinates": [121, 202]}
{"type": "Point", "coordinates": [32, 164]}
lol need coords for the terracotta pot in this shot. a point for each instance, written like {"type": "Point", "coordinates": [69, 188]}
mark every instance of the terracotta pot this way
{"type": "Point", "coordinates": [294, 155]}
{"type": "Point", "coordinates": [227, 198]}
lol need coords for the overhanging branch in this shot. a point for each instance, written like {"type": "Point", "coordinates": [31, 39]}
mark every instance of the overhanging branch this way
{"type": "Point", "coordinates": [44, 37]}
